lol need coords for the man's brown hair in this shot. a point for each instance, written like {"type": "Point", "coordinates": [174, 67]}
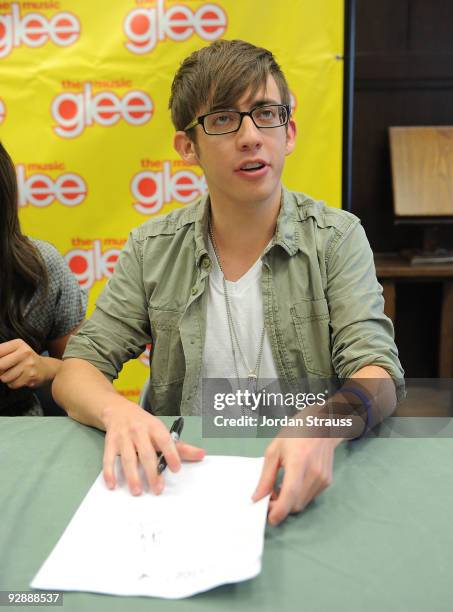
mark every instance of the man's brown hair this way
{"type": "Point", "coordinates": [215, 77]}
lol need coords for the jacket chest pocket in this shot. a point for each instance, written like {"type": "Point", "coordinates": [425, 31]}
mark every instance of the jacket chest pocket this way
{"type": "Point", "coordinates": [168, 364]}
{"type": "Point", "coordinates": [311, 319]}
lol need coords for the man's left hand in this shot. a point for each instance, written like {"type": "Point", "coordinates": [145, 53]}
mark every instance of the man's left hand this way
{"type": "Point", "coordinates": [308, 469]}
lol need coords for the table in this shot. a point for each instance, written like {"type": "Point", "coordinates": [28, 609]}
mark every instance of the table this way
{"type": "Point", "coordinates": [391, 268]}
{"type": "Point", "coordinates": [380, 538]}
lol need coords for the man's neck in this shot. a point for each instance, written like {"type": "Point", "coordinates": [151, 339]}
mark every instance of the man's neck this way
{"type": "Point", "coordinates": [242, 231]}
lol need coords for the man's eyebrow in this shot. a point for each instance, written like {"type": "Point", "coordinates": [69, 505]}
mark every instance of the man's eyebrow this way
{"type": "Point", "coordinates": [253, 104]}
{"type": "Point", "coordinates": [263, 102]}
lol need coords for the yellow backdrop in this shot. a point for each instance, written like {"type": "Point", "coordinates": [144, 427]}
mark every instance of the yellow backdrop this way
{"type": "Point", "coordinates": [84, 90]}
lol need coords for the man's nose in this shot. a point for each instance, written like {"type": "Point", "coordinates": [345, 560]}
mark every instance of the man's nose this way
{"type": "Point", "coordinates": [248, 134]}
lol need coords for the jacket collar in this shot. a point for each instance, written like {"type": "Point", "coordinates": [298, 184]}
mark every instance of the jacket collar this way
{"type": "Point", "coordinates": [287, 234]}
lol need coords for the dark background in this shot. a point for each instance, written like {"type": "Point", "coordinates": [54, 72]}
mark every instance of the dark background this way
{"type": "Point", "coordinates": [403, 76]}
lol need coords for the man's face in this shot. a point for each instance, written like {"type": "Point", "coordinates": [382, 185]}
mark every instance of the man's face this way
{"type": "Point", "coordinates": [224, 158]}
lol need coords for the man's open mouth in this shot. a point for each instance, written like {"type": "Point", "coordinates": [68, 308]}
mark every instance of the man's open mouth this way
{"type": "Point", "coordinates": [252, 166]}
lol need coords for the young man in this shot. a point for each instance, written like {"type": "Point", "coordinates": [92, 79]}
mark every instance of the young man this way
{"type": "Point", "coordinates": [252, 281]}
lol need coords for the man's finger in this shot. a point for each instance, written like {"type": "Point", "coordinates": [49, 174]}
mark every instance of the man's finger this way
{"type": "Point", "coordinates": [165, 443]}
{"type": "Point", "coordinates": [310, 494]}
{"type": "Point", "coordinates": [148, 459]}
{"type": "Point", "coordinates": [130, 467]}
{"type": "Point", "coordinates": [187, 452]}
{"type": "Point", "coordinates": [108, 462]}
{"type": "Point", "coordinates": [293, 486]}
{"type": "Point", "coordinates": [268, 475]}
{"type": "Point", "coordinates": [317, 482]}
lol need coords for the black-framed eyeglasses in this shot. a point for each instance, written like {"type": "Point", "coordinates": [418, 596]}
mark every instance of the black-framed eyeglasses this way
{"type": "Point", "coordinates": [227, 121]}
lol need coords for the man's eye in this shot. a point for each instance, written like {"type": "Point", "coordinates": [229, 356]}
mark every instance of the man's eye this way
{"type": "Point", "coordinates": [266, 114]}
{"type": "Point", "coordinates": [221, 119]}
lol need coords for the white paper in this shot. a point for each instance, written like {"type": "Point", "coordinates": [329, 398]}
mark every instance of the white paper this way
{"type": "Point", "coordinates": [202, 531]}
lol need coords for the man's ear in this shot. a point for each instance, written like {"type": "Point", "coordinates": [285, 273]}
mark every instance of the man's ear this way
{"type": "Point", "coordinates": [186, 148]}
{"type": "Point", "coordinates": [290, 137]}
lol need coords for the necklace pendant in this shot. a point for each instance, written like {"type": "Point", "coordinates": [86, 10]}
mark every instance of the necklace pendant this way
{"type": "Point", "coordinates": [252, 380]}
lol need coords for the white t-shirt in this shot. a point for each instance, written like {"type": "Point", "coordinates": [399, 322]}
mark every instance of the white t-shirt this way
{"type": "Point", "coordinates": [247, 312]}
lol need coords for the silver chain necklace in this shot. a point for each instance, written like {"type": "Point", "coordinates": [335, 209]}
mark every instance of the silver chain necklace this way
{"type": "Point", "coordinates": [253, 374]}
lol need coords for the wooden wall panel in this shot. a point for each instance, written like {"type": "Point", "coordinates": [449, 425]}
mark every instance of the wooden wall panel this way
{"type": "Point", "coordinates": [403, 76]}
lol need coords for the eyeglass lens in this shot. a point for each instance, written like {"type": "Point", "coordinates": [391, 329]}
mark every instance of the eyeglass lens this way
{"type": "Point", "coordinates": [229, 121]}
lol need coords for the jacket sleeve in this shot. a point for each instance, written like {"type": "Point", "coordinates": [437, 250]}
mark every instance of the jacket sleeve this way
{"type": "Point", "coordinates": [119, 328]}
{"type": "Point", "coordinates": [361, 333]}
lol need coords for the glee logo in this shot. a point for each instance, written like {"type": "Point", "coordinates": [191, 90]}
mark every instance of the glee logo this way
{"type": "Point", "coordinates": [73, 112]}
{"type": "Point", "coordinates": [146, 27]}
{"type": "Point", "coordinates": [40, 190]}
{"type": "Point", "coordinates": [92, 265]}
{"type": "Point", "coordinates": [34, 30]}
{"type": "Point", "coordinates": [2, 111]}
{"type": "Point", "coordinates": [154, 189]}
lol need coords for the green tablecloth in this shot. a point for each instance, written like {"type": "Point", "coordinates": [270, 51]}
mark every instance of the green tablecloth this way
{"type": "Point", "coordinates": [380, 538]}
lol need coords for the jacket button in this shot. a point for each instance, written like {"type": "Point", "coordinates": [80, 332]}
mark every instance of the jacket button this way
{"type": "Point", "coordinates": [206, 263]}
{"type": "Point", "coordinates": [194, 291]}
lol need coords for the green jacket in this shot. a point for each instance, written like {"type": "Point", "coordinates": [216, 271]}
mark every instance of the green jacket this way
{"type": "Point", "coordinates": [323, 307]}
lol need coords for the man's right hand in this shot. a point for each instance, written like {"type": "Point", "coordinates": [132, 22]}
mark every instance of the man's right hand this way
{"type": "Point", "coordinates": [137, 436]}
{"type": "Point", "coordinates": [131, 432]}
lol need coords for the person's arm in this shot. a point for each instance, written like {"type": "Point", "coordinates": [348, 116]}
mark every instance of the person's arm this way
{"type": "Point", "coordinates": [21, 366]}
{"type": "Point", "coordinates": [117, 331]}
{"type": "Point", "coordinates": [362, 350]}
{"type": "Point", "coordinates": [57, 311]}
{"type": "Point", "coordinates": [308, 461]}
{"type": "Point", "coordinates": [131, 432]}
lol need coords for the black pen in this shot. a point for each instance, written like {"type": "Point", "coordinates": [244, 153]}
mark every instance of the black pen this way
{"type": "Point", "coordinates": [175, 433]}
